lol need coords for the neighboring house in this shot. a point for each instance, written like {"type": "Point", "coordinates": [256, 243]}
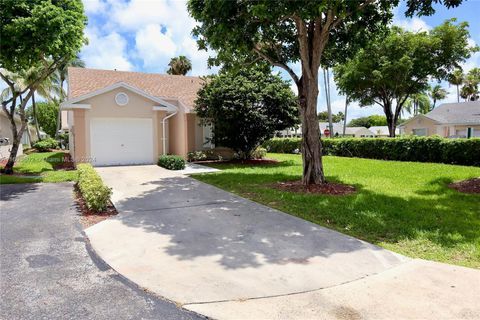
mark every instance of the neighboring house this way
{"type": "Point", "coordinates": [449, 120]}
{"type": "Point", "coordinates": [352, 132]}
{"type": "Point", "coordinates": [382, 131]}
{"type": "Point", "coordinates": [117, 117]}
{"type": "Point", "coordinates": [6, 137]}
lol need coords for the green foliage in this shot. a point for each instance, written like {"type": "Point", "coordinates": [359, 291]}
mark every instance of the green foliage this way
{"type": "Point", "coordinates": [179, 65]}
{"type": "Point", "coordinates": [47, 113]}
{"type": "Point", "coordinates": [95, 193]}
{"type": "Point", "coordinates": [46, 145]}
{"type": "Point", "coordinates": [373, 120]}
{"type": "Point", "coordinates": [246, 107]}
{"type": "Point", "coordinates": [171, 162]}
{"type": "Point", "coordinates": [196, 156]}
{"type": "Point", "coordinates": [419, 149]}
{"type": "Point", "coordinates": [33, 30]}
{"type": "Point", "coordinates": [391, 69]}
{"type": "Point", "coordinates": [323, 116]}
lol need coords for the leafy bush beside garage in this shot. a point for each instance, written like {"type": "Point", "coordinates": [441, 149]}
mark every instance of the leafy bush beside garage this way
{"type": "Point", "coordinates": [95, 193]}
{"type": "Point", "coordinates": [418, 149]}
{"type": "Point", "coordinates": [46, 145]}
{"type": "Point", "coordinates": [171, 162]}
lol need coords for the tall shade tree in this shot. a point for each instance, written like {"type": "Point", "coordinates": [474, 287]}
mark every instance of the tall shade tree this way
{"type": "Point", "coordinates": [35, 34]}
{"type": "Point", "coordinates": [287, 32]}
{"type": "Point", "coordinates": [456, 78]}
{"type": "Point", "coordinates": [437, 93]}
{"type": "Point", "coordinates": [245, 107]}
{"type": "Point", "coordinates": [179, 66]}
{"type": "Point", "coordinates": [392, 69]}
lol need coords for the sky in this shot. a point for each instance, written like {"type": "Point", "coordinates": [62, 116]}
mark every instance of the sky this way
{"type": "Point", "coordinates": [142, 35]}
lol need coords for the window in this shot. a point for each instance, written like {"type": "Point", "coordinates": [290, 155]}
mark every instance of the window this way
{"type": "Point", "coordinates": [419, 132]}
{"type": "Point", "coordinates": [121, 98]}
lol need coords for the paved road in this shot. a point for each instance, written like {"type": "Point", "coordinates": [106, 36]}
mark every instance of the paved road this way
{"type": "Point", "coordinates": [49, 272]}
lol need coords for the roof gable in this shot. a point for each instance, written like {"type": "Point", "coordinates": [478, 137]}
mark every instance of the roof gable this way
{"type": "Point", "coordinates": [75, 101]}
{"type": "Point", "coordinates": [82, 81]}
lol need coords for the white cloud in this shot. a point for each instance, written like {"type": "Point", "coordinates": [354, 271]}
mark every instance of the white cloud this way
{"type": "Point", "coordinates": [105, 52]}
{"type": "Point", "coordinates": [94, 6]}
{"type": "Point", "coordinates": [154, 47]}
{"type": "Point", "coordinates": [415, 24]}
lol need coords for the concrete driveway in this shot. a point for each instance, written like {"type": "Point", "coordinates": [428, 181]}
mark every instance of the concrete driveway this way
{"type": "Point", "coordinates": [228, 257]}
{"type": "Point", "coordinates": [48, 271]}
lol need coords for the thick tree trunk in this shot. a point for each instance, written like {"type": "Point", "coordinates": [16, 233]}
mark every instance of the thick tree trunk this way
{"type": "Point", "coordinates": [34, 109]}
{"type": "Point", "coordinates": [311, 144]}
{"type": "Point", "coordinates": [391, 121]}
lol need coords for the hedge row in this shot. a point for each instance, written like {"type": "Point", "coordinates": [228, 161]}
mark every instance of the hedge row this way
{"type": "Point", "coordinates": [421, 149]}
{"type": "Point", "coordinates": [95, 193]}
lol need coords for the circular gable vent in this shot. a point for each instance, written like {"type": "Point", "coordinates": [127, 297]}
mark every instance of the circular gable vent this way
{"type": "Point", "coordinates": [121, 98]}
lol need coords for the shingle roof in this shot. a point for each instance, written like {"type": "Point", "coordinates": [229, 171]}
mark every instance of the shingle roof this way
{"type": "Point", "coordinates": [82, 81]}
{"type": "Point", "coordinates": [456, 113]}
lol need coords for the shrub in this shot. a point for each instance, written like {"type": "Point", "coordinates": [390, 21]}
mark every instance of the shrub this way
{"type": "Point", "coordinates": [95, 193]}
{"type": "Point", "coordinates": [196, 156]}
{"type": "Point", "coordinates": [171, 162]}
{"type": "Point", "coordinates": [46, 144]}
{"type": "Point", "coordinates": [259, 153]}
{"type": "Point", "coordinates": [420, 149]}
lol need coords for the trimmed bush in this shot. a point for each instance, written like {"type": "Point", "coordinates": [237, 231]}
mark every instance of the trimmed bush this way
{"type": "Point", "coordinates": [419, 149]}
{"type": "Point", "coordinates": [259, 153]}
{"type": "Point", "coordinates": [171, 162]}
{"type": "Point", "coordinates": [95, 193]}
{"type": "Point", "coordinates": [45, 145]}
{"type": "Point", "coordinates": [196, 156]}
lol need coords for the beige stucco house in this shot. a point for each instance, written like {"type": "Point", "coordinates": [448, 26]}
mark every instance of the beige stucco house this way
{"type": "Point", "coordinates": [449, 120]}
{"type": "Point", "coordinates": [120, 118]}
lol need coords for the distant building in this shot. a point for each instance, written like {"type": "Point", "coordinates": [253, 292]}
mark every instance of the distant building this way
{"type": "Point", "coordinates": [449, 120]}
{"type": "Point", "coordinates": [382, 131]}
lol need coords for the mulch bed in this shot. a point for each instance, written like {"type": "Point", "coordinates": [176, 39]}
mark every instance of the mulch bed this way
{"type": "Point", "coordinates": [66, 164]}
{"type": "Point", "coordinates": [239, 161]}
{"type": "Point", "coordinates": [467, 186]}
{"type": "Point", "coordinates": [89, 217]}
{"type": "Point", "coordinates": [329, 188]}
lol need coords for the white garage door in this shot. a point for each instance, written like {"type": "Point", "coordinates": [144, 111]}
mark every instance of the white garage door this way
{"type": "Point", "coordinates": [121, 141]}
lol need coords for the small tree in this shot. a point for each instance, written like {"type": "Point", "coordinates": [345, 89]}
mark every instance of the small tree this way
{"type": "Point", "coordinates": [46, 116]}
{"type": "Point", "coordinates": [35, 34]}
{"type": "Point", "coordinates": [391, 70]}
{"type": "Point", "coordinates": [179, 65]}
{"type": "Point", "coordinates": [246, 107]}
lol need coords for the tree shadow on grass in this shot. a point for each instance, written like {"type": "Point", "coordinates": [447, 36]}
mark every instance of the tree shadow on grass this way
{"type": "Point", "coordinates": [443, 216]}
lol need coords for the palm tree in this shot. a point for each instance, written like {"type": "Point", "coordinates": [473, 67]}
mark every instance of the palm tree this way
{"type": "Point", "coordinates": [437, 93]}
{"type": "Point", "coordinates": [61, 75]}
{"type": "Point", "coordinates": [179, 65]}
{"type": "Point", "coordinates": [419, 103]}
{"type": "Point", "coordinates": [456, 78]}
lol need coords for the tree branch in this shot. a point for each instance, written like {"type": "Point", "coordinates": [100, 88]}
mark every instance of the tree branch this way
{"type": "Point", "coordinates": [303, 44]}
{"type": "Point", "coordinates": [282, 65]}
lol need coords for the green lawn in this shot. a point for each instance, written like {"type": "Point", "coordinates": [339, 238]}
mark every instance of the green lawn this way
{"type": "Point", "coordinates": [40, 167]}
{"type": "Point", "coordinates": [402, 206]}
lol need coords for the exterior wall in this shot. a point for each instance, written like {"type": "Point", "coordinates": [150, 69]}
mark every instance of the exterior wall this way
{"type": "Point", "coordinates": [104, 106]}
{"type": "Point", "coordinates": [421, 123]}
{"type": "Point", "coordinates": [191, 130]}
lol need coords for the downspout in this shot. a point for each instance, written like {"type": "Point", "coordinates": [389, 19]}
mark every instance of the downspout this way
{"type": "Point", "coordinates": [163, 131]}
